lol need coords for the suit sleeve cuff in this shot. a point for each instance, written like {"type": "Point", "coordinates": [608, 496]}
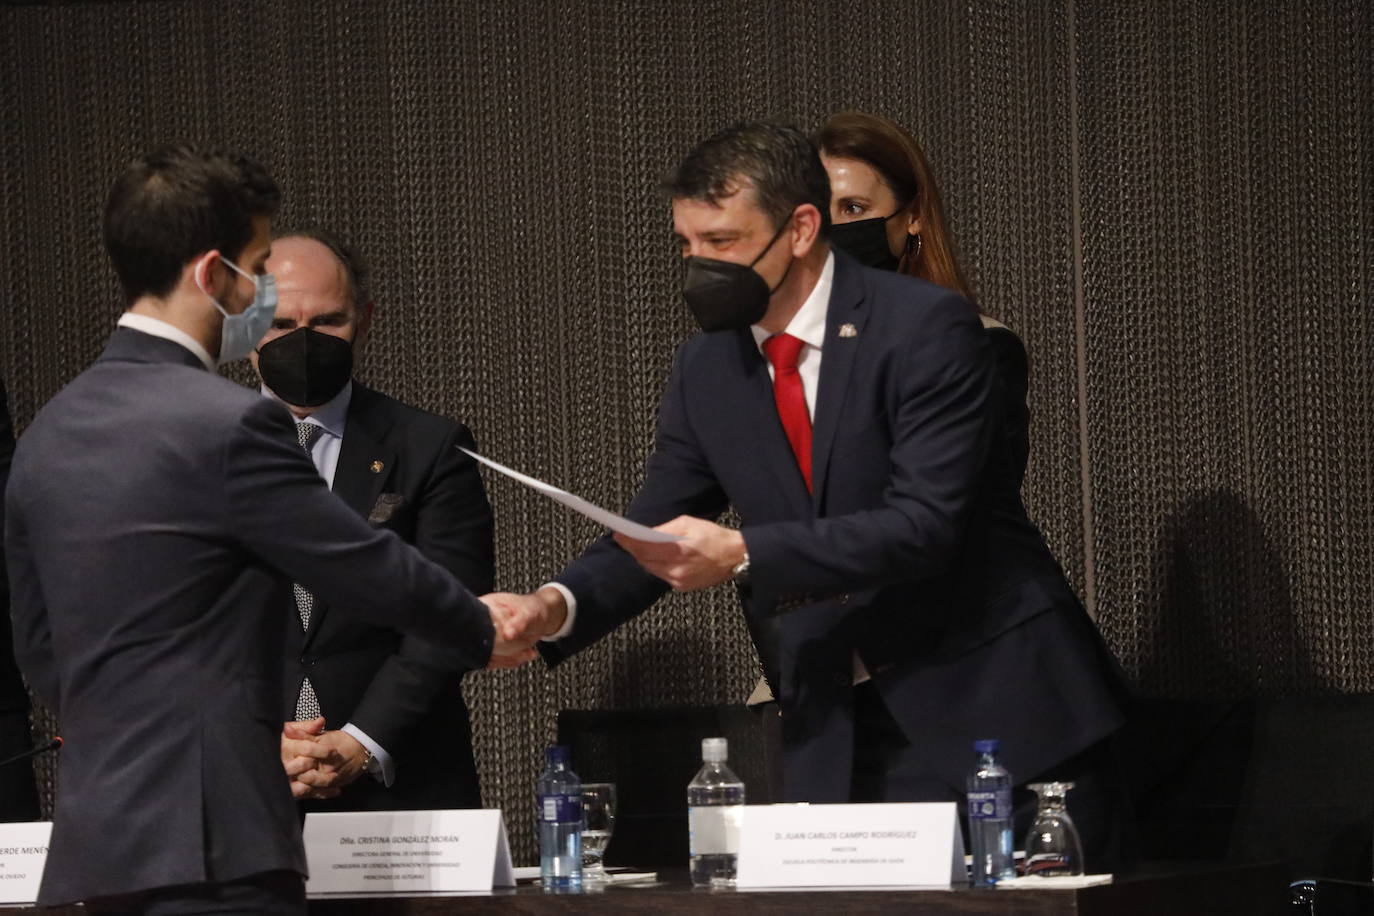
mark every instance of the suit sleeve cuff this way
{"type": "Point", "coordinates": [571, 602]}
{"type": "Point", "coordinates": [382, 767]}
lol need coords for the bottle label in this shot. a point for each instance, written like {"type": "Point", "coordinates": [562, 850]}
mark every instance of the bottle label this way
{"type": "Point", "coordinates": [988, 805]}
{"type": "Point", "coordinates": [713, 830]}
{"type": "Point", "coordinates": [560, 809]}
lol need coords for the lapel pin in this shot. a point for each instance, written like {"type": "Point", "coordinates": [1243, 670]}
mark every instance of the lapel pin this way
{"type": "Point", "coordinates": [377, 467]}
{"type": "Point", "coordinates": [848, 330]}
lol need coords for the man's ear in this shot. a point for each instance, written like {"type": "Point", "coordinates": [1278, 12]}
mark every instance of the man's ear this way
{"type": "Point", "coordinates": [806, 229]}
{"type": "Point", "coordinates": [202, 273]}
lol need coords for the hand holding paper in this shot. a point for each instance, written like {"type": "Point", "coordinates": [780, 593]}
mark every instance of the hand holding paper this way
{"type": "Point", "coordinates": [701, 553]}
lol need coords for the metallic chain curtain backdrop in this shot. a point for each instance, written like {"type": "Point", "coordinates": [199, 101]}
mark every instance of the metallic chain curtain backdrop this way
{"type": "Point", "coordinates": [1171, 201]}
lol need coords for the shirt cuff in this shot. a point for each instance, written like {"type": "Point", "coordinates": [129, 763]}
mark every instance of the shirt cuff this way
{"type": "Point", "coordinates": [381, 766]}
{"type": "Point", "coordinates": [571, 602]}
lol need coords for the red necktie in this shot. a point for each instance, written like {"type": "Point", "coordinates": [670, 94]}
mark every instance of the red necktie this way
{"type": "Point", "coordinates": [782, 351]}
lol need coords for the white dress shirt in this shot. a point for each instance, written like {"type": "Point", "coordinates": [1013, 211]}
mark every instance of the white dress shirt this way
{"type": "Point", "coordinates": [331, 417]}
{"type": "Point", "coordinates": [156, 327]}
{"type": "Point", "coordinates": [808, 326]}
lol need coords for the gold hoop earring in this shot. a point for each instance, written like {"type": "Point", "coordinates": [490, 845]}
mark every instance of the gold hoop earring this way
{"type": "Point", "coordinates": [913, 240]}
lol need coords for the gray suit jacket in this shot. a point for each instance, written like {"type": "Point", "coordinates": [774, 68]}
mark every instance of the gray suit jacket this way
{"type": "Point", "coordinates": [156, 516]}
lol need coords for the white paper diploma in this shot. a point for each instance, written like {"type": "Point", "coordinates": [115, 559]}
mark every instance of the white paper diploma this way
{"type": "Point", "coordinates": [578, 504]}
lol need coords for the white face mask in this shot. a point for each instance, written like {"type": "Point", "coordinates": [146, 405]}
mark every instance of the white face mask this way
{"type": "Point", "coordinates": [241, 332]}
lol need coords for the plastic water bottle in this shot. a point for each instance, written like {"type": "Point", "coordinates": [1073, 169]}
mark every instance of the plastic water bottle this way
{"type": "Point", "coordinates": [715, 806]}
{"type": "Point", "coordinates": [559, 794]}
{"type": "Point", "coordinates": [989, 817]}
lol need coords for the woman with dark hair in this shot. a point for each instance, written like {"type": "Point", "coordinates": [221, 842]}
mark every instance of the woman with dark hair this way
{"type": "Point", "coordinates": [885, 210]}
{"type": "Point", "coordinates": [885, 207]}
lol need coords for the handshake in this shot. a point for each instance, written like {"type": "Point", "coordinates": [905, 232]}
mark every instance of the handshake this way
{"type": "Point", "coordinates": [321, 763]}
{"type": "Point", "coordinates": [704, 554]}
{"type": "Point", "coordinates": [521, 621]}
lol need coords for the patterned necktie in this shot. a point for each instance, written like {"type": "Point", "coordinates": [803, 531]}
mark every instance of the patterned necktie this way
{"type": "Point", "coordinates": [307, 704]}
{"type": "Point", "coordinates": [782, 351]}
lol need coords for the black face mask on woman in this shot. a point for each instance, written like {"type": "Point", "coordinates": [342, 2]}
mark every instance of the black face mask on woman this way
{"type": "Point", "coordinates": [725, 296]}
{"type": "Point", "coordinates": [865, 240]}
{"type": "Point", "coordinates": [306, 368]}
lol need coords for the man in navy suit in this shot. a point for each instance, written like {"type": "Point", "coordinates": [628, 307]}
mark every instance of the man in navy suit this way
{"type": "Point", "coordinates": [902, 603]}
{"type": "Point", "coordinates": [393, 704]}
{"type": "Point", "coordinates": [157, 515]}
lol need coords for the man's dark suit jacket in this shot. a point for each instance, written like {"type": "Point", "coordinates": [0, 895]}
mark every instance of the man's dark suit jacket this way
{"type": "Point", "coordinates": [913, 550]}
{"type": "Point", "coordinates": [400, 468]}
{"type": "Point", "coordinates": [157, 515]}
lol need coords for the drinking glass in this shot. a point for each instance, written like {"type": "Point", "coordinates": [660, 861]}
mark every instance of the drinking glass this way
{"type": "Point", "coordinates": [1052, 844]}
{"type": "Point", "coordinates": [598, 820]}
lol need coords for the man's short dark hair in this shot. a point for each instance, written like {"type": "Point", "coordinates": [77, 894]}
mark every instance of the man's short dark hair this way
{"type": "Point", "coordinates": [355, 267]}
{"type": "Point", "coordinates": [177, 202]}
{"type": "Point", "coordinates": [779, 161]}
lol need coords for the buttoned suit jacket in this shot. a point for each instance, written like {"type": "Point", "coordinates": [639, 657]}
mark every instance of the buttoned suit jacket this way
{"type": "Point", "coordinates": [400, 469]}
{"type": "Point", "coordinates": [156, 516]}
{"type": "Point", "coordinates": [913, 550]}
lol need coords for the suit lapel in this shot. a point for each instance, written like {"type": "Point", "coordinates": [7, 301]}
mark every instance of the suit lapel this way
{"type": "Point", "coordinates": [365, 464]}
{"type": "Point", "coordinates": [844, 321]}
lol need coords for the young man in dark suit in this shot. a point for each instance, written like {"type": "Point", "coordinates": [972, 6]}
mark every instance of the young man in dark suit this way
{"type": "Point", "coordinates": [902, 603]}
{"type": "Point", "coordinates": [156, 516]}
{"type": "Point", "coordinates": [392, 704]}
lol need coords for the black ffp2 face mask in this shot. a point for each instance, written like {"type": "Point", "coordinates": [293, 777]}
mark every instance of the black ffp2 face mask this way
{"type": "Point", "coordinates": [865, 240]}
{"type": "Point", "coordinates": [306, 368]}
{"type": "Point", "coordinates": [726, 296]}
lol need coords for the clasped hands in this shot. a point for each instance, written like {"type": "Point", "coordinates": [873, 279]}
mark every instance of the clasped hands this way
{"type": "Point", "coordinates": [707, 555]}
{"type": "Point", "coordinates": [320, 763]}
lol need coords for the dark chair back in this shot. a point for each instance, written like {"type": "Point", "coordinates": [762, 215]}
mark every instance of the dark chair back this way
{"type": "Point", "coordinates": [651, 755]}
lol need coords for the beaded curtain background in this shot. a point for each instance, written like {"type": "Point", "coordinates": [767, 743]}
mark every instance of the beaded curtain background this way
{"type": "Point", "coordinates": [498, 164]}
{"type": "Point", "coordinates": [1228, 232]}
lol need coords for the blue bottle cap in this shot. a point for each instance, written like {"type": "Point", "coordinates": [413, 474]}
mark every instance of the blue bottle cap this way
{"type": "Point", "coordinates": [557, 753]}
{"type": "Point", "coordinates": [986, 745]}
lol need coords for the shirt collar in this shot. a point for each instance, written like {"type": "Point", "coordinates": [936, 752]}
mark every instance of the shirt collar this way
{"type": "Point", "coordinates": [156, 327]}
{"type": "Point", "coordinates": [332, 415]}
{"type": "Point", "coordinates": [809, 323]}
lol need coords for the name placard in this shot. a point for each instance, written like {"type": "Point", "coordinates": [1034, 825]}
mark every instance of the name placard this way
{"type": "Point", "coordinates": [878, 845]}
{"type": "Point", "coordinates": [406, 853]}
{"type": "Point", "coordinates": [23, 853]}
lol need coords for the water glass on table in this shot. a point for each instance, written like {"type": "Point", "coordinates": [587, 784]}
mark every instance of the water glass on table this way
{"type": "Point", "coordinates": [1053, 848]}
{"type": "Point", "coordinates": [598, 820]}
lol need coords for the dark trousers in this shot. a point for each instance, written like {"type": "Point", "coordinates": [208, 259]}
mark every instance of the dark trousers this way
{"type": "Point", "coordinates": [887, 768]}
{"type": "Point", "coordinates": [272, 893]}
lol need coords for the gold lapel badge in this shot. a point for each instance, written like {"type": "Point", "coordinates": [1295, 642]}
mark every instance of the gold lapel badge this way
{"type": "Point", "coordinates": [848, 330]}
{"type": "Point", "coordinates": [377, 467]}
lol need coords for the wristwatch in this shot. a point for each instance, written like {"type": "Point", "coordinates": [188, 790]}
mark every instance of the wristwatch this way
{"type": "Point", "coordinates": [741, 571]}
